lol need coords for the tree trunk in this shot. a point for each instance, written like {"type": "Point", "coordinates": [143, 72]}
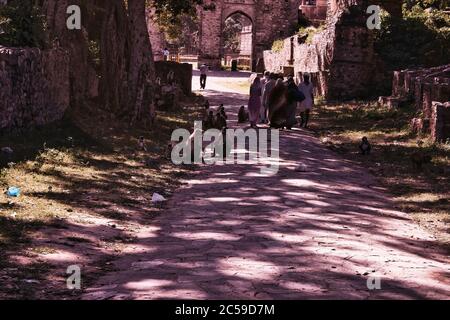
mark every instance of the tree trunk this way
{"type": "Point", "coordinates": [114, 55]}
{"type": "Point", "coordinates": [76, 43]}
{"type": "Point", "coordinates": [127, 67]}
{"type": "Point", "coordinates": [141, 73]}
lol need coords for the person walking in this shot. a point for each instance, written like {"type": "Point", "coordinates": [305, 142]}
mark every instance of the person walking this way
{"type": "Point", "coordinates": [295, 96]}
{"type": "Point", "coordinates": [266, 94]}
{"type": "Point", "coordinates": [203, 76]}
{"type": "Point", "coordinates": [264, 81]}
{"type": "Point", "coordinates": [254, 103]}
{"type": "Point", "coordinates": [307, 88]}
{"type": "Point", "coordinates": [276, 102]}
{"type": "Point", "coordinates": [166, 54]}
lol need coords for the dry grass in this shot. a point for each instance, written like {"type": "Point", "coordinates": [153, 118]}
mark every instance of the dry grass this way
{"type": "Point", "coordinates": [424, 194]}
{"type": "Point", "coordinates": [75, 176]}
{"type": "Point", "coordinates": [237, 85]}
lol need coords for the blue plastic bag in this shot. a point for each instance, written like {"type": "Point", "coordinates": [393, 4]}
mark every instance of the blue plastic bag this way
{"type": "Point", "coordinates": [13, 192]}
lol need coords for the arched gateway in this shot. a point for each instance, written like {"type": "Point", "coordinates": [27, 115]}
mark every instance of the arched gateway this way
{"type": "Point", "coordinates": [270, 20]}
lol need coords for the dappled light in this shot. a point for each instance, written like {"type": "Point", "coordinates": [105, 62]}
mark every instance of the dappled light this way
{"type": "Point", "coordinates": [224, 150]}
{"type": "Point", "coordinates": [314, 234]}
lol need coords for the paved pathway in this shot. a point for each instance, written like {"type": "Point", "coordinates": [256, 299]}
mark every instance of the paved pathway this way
{"type": "Point", "coordinates": [231, 233]}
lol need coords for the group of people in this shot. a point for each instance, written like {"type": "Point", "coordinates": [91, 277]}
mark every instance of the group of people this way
{"type": "Point", "coordinates": [214, 121]}
{"type": "Point", "coordinates": [275, 101]}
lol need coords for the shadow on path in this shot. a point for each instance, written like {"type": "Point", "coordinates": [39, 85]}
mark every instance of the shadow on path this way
{"type": "Point", "coordinates": [233, 233]}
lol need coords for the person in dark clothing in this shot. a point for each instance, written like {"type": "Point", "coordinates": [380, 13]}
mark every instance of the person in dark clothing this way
{"type": "Point", "coordinates": [294, 97]}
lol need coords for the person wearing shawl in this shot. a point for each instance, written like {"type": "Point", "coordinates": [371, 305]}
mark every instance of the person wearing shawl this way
{"type": "Point", "coordinates": [295, 96]}
{"type": "Point", "coordinates": [270, 84]}
{"type": "Point", "coordinates": [264, 81]}
{"type": "Point", "coordinates": [276, 103]}
{"type": "Point", "coordinates": [254, 103]}
{"type": "Point", "coordinates": [282, 104]}
{"type": "Point", "coordinates": [307, 88]}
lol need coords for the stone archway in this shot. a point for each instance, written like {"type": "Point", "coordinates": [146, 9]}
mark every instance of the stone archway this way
{"type": "Point", "coordinates": [247, 37]}
{"type": "Point", "coordinates": [271, 20]}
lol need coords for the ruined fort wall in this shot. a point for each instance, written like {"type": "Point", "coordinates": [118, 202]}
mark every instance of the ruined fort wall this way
{"type": "Point", "coordinates": [341, 58]}
{"type": "Point", "coordinates": [35, 87]}
{"type": "Point", "coordinates": [429, 90]}
{"type": "Point", "coordinates": [271, 20]}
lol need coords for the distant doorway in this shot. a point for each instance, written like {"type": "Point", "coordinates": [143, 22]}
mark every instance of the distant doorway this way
{"type": "Point", "coordinates": [237, 42]}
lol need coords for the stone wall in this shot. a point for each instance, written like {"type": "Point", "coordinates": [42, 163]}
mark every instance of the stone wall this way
{"type": "Point", "coordinates": [271, 20]}
{"type": "Point", "coordinates": [440, 122]}
{"type": "Point", "coordinates": [305, 59]}
{"type": "Point", "coordinates": [182, 74]}
{"type": "Point", "coordinates": [246, 42]}
{"type": "Point", "coordinates": [35, 87]}
{"type": "Point", "coordinates": [314, 11]}
{"type": "Point", "coordinates": [429, 90]}
{"type": "Point", "coordinates": [340, 58]}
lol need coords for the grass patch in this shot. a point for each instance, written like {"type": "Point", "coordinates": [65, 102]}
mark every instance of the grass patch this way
{"type": "Point", "coordinates": [423, 194]}
{"type": "Point", "coordinates": [278, 45]}
{"type": "Point", "coordinates": [75, 173]}
{"type": "Point", "coordinates": [310, 32]}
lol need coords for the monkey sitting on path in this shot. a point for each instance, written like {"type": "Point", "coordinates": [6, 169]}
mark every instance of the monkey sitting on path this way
{"type": "Point", "coordinates": [221, 122]}
{"type": "Point", "coordinates": [365, 146]}
{"type": "Point", "coordinates": [141, 143]}
{"type": "Point", "coordinates": [243, 115]}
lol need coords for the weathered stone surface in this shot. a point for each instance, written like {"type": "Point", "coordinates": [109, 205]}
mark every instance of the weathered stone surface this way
{"type": "Point", "coordinates": [419, 125]}
{"type": "Point", "coordinates": [424, 88]}
{"type": "Point", "coordinates": [340, 58]}
{"type": "Point", "coordinates": [271, 20]}
{"type": "Point", "coordinates": [182, 74]}
{"type": "Point", "coordinates": [440, 121]}
{"type": "Point", "coordinates": [314, 11]}
{"type": "Point", "coordinates": [35, 88]}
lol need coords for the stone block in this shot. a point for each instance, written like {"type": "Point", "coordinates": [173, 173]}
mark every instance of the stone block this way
{"type": "Point", "coordinates": [182, 73]}
{"type": "Point", "coordinates": [440, 121]}
{"type": "Point", "coordinates": [35, 87]}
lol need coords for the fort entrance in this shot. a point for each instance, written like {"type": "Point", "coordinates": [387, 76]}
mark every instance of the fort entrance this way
{"type": "Point", "coordinates": [269, 20]}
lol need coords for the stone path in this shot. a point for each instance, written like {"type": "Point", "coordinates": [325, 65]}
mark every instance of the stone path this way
{"type": "Point", "coordinates": [231, 233]}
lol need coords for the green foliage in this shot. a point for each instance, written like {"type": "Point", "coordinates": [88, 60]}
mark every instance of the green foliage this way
{"type": "Point", "coordinates": [94, 53]}
{"type": "Point", "coordinates": [232, 33]}
{"type": "Point", "coordinates": [278, 45]}
{"type": "Point", "coordinates": [421, 38]}
{"type": "Point", "coordinates": [22, 24]}
{"type": "Point", "coordinates": [175, 8]}
{"type": "Point", "coordinates": [177, 19]}
{"type": "Point", "coordinates": [181, 30]}
{"type": "Point", "coordinates": [310, 32]}
{"type": "Point", "coordinates": [424, 4]}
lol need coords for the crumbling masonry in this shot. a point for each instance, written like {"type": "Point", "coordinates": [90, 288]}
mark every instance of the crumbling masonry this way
{"type": "Point", "coordinates": [271, 20]}
{"type": "Point", "coordinates": [429, 90]}
{"type": "Point", "coordinates": [341, 58]}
